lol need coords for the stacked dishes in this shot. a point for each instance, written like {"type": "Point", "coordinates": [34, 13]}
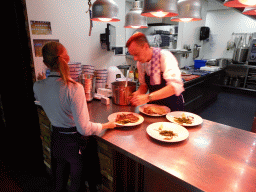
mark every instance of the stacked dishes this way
{"type": "Point", "coordinates": [88, 69]}
{"type": "Point", "coordinates": [75, 70]}
{"type": "Point", "coordinates": [101, 78]}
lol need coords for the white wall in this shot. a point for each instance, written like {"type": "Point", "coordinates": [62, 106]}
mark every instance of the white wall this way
{"type": "Point", "coordinates": [70, 24]}
{"type": "Point", "coordinates": [222, 24]}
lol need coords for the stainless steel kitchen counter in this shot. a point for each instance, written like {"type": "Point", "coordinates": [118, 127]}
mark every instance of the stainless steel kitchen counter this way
{"type": "Point", "coordinates": [215, 157]}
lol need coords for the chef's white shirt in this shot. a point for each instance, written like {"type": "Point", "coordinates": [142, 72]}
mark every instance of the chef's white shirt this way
{"type": "Point", "coordinates": [170, 69]}
{"type": "Point", "coordinates": [65, 105]}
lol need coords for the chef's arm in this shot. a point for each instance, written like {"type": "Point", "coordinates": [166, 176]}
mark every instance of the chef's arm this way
{"type": "Point", "coordinates": [165, 92]}
{"type": "Point", "coordinates": [143, 89]}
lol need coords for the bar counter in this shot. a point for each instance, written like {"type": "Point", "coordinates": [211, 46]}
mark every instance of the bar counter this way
{"type": "Point", "coordinates": [215, 157]}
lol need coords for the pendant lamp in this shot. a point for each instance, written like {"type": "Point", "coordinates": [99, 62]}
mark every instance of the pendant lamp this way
{"type": "Point", "coordinates": [160, 8]}
{"type": "Point", "coordinates": [189, 10]}
{"type": "Point", "coordinates": [233, 3]}
{"type": "Point", "coordinates": [134, 19]}
{"type": "Point", "coordinates": [105, 11]}
{"type": "Point", "coordinates": [248, 2]}
{"type": "Point", "coordinates": [250, 11]}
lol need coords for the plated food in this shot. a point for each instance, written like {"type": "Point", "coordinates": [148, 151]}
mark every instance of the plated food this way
{"type": "Point", "coordinates": [126, 118]}
{"type": "Point", "coordinates": [154, 110]}
{"type": "Point", "coordinates": [184, 118]}
{"type": "Point", "coordinates": [167, 132]}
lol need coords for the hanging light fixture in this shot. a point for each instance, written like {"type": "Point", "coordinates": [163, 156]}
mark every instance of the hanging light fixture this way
{"type": "Point", "coordinates": [160, 8]}
{"type": "Point", "coordinates": [248, 2]}
{"type": "Point", "coordinates": [189, 10]}
{"type": "Point", "coordinates": [105, 11]}
{"type": "Point", "coordinates": [250, 11]}
{"type": "Point", "coordinates": [134, 19]}
{"type": "Point", "coordinates": [233, 3]}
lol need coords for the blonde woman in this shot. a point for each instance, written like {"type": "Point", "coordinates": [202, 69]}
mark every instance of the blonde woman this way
{"type": "Point", "coordinates": [64, 103]}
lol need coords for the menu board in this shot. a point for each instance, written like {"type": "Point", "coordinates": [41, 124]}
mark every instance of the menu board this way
{"type": "Point", "coordinates": [38, 45]}
{"type": "Point", "coordinates": [41, 27]}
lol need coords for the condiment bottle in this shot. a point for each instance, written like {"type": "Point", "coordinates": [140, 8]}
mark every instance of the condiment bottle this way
{"type": "Point", "coordinates": [131, 75]}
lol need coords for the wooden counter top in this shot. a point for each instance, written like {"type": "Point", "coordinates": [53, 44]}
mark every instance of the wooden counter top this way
{"type": "Point", "coordinates": [215, 157]}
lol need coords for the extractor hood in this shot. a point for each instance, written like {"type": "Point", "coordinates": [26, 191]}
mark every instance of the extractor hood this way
{"type": "Point", "coordinates": [154, 21]}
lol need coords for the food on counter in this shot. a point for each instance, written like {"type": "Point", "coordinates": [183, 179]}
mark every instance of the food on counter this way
{"type": "Point", "coordinates": [169, 134]}
{"type": "Point", "coordinates": [155, 110]}
{"type": "Point", "coordinates": [126, 118]}
{"type": "Point", "coordinates": [184, 119]}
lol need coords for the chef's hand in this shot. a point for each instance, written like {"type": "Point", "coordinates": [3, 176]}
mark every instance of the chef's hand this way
{"type": "Point", "coordinates": [41, 76]}
{"type": "Point", "coordinates": [139, 99]}
{"type": "Point", "coordinates": [109, 125]}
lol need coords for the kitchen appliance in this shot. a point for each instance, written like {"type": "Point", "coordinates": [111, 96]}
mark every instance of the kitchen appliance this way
{"type": "Point", "coordinates": [240, 55]}
{"type": "Point", "coordinates": [204, 33]}
{"type": "Point", "coordinates": [221, 62]}
{"type": "Point", "coordinates": [113, 74]}
{"type": "Point", "coordinates": [120, 93]}
{"type": "Point", "coordinates": [252, 52]}
{"type": "Point", "coordinates": [211, 62]}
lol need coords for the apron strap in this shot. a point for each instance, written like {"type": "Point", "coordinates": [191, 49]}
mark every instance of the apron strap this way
{"type": "Point", "coordinates": [64, 130]}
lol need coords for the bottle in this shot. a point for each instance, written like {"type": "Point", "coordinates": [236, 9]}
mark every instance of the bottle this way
{"type": "Point", "coordinates": [136, 74]}
{"type": "Point", "coordinates": [131, 75]}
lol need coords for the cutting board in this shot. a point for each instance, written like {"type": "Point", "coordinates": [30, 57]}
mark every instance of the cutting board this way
{"type": "Point", "coordinates": [189, 77]}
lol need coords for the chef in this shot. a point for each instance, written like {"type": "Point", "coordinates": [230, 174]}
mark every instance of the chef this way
{"type": "Point", "coordinates": [158, 73]}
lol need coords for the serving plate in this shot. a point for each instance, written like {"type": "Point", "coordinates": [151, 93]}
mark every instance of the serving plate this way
{"type": "Point", "coordinates": [196, 121]}
{"type": "Point", "coordinates": [113, 116]}
{"type": "Point", "coordinates": [153, 131]}
{"type": "Point", "coordinates": [141, 109]}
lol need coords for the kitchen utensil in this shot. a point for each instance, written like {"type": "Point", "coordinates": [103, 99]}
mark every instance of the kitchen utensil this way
{"type": "Point", "coordinates": [141, 109]}
{"type": "Point", "coordinates": [197, 120]}
{"type": "Point", "coordinates": [113, 116]}
{"type": "Point", "coordinates": [127, 76]}
{"type": "Point", "coordinates": [181, 132]}
{"type": "Point", "coordinates": [121, 93]}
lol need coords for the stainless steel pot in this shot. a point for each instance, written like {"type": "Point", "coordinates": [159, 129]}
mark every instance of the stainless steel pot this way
{"type": "Point", "coordinates": [222, 62]}
{"type": "Point", "coordinates": [240, 54]}
{"type": "Point", "coordinates": [120, 93]}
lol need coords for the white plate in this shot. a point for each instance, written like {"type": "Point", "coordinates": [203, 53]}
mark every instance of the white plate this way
{"type": "Point", "coordinates": [182, 132]}
{"type": "Point", "coordinates": [112, 117]}
{"type": "Point", "coordinates": [141, 109]}
{"type": "Point", "coordinates": [197, 119]}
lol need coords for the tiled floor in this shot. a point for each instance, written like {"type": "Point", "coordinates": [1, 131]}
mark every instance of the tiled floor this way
{"type": "Point", "coordinates": [233, 109]}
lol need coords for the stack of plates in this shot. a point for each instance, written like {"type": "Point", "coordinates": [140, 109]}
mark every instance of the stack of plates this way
{"type": "Point", "coordinates": [88, 69]}
{"type": "Point", "coordinates": [75, 70]}
{"type": "Point", "coordinates": [101, 78]}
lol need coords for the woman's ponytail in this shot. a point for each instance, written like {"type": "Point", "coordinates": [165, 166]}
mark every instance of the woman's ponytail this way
{"type": "Point", "coordinates": [64, 71]}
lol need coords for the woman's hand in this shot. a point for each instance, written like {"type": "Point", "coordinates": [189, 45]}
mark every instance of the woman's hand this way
{"type": "Point", "coordinates": [109, 125]}
{"type": "Point", "coordinates": [139, 99]}
{"type": "Point", "coordinates": [41, 76]}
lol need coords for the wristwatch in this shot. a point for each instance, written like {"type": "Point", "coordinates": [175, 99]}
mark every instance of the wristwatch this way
{"type": "Point", "coordinates": [150, 97]}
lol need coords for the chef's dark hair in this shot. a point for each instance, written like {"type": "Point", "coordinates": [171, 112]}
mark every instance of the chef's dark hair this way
{"type": "Point", "coordinates": [55, 57]}
{"type": "Point", "coordinates": [139, 38]}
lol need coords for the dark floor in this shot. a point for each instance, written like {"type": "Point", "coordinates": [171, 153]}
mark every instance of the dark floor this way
{"type": "Point", "coordinates": [232, 108]}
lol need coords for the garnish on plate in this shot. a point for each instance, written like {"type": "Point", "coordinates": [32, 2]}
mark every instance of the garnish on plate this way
{"type": "Point", "coordinates": [184, 119]}
{"type": "Point", "coordinates": [168, 134]}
